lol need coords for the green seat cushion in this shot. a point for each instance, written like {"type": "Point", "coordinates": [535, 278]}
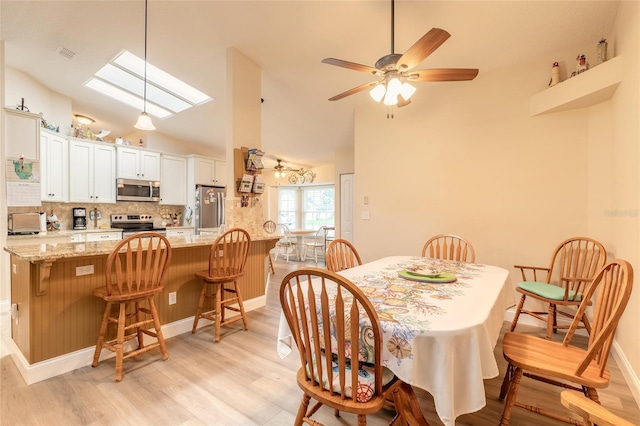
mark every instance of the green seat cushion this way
{"type": "Point", "coordinates": [548, 291]}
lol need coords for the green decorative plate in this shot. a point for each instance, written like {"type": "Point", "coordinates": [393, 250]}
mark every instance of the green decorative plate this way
{"type": "Point", "coordinates": [441, 278]}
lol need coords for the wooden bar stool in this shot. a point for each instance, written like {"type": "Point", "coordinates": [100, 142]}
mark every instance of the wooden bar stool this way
{"type": "Point", "coordinates": [270, 227]}
{"type": "Point", "coordinates": [133, 276]}
{"type": "Point", "coordinates": [227, 260]}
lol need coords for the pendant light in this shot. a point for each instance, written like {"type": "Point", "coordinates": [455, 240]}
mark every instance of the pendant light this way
{"type": "Point", "coordinates": [144, 121]}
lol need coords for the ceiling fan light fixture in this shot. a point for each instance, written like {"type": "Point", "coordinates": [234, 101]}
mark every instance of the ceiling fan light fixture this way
{"type": "Point", "coordinates": [377, 93]}
{"type": "Point", "coordinates": [393, 90]}
{"type": "Point", "coordinates": [406, 91]}
{"type": "Point", "coordinates": [394, 87]}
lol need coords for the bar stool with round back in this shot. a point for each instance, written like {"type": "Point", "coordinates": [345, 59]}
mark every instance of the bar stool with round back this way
{"type": "Point", "coordinates": [270, 227]}
{"type": "Point", "coordinates": [227, 260]}
{"type": "Point", "coordinates": [133, 275]}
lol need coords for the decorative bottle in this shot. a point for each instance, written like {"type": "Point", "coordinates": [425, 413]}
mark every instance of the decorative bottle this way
{"type": "Point", "coordinates": [602, 51]}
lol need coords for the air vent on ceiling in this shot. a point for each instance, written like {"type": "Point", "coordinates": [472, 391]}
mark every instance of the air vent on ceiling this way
{"type": "Point", "coordinates": [63, 51]}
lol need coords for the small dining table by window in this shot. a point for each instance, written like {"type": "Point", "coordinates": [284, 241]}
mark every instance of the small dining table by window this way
{"type": "Point", "coordinates": [300, 234]}
{"type": "Point", "coordinates": [438, 336]}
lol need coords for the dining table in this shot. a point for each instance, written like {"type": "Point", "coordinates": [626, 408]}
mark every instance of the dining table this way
{"type": "Point", "coordinates": [300, 234]}
{"type": "Point", "coordinates": [440, 327]}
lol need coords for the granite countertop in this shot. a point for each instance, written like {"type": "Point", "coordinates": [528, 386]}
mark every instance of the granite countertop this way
{"type": "Point", "coordinates": [52, 252]}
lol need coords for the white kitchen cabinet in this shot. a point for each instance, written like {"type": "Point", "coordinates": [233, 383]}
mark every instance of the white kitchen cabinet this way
{"type": "Point", "coordinates": [205, 170]}
{"type": "Point", "coordinates": [92, 172]}
{"type": "Point", "coordinates": [103, 236]}
{"type": "Point", "coordinates": [173, 180]}
{"type": "Point", "coordinates": [54, 174]}
{"type": "Point", "coordinates": [181, 232]}
{"type": "Point", "coordinates": [220, 173]}
{"type": "Point", "coordinates": [21, 134]}
{"type": "Point", "coordinates": [134, 163]}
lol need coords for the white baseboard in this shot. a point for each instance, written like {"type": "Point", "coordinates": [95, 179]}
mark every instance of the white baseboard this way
{"type": "Point", "coordinates": [33, 373]}
{"type": "Point", "coordinates": [630, 377]}
{"type": "Point", "coordinates": [627, 372]}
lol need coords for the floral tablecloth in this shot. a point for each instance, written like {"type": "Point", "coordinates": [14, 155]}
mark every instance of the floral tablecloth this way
{"type": "Point", "coordinates": [438, 337]}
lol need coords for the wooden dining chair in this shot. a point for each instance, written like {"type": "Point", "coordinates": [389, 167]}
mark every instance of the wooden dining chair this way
{"type": "Point", "coordinates": [341, 255]}
{"type": "Point", "coordinates": [590, 411]}
{"type": "Point", "coordinates": [449, 247]}
{"type": "Point", "coordinates": [331, 319]}
{"type": "Point", "coordinates": [227, 260]}
{"type": "Point", "coordinates": [573, 264]}
{"type": "Point", "coordinates": [270, 227]}
{"type": "Point", "coordinates": [561, 363]}
{"type": "Point", "coordinates": [133, 276]}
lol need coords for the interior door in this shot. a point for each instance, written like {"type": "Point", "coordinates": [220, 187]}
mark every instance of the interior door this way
{"type": "Point", "coordinates": [346, 206]}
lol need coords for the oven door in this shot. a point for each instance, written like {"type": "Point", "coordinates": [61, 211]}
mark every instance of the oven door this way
{"type": "Point", "coordinates": [137, 190]}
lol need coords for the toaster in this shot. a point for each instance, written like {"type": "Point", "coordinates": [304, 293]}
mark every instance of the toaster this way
{"type": "Point", "coordinates": [24, 223]}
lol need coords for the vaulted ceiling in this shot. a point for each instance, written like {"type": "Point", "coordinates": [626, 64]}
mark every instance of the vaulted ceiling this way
{"type": "Point", "coordinates": [287, 40]}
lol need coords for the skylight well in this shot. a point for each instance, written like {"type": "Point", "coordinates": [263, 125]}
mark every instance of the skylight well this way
{"type": "Point", "coordinates": [123, 79]}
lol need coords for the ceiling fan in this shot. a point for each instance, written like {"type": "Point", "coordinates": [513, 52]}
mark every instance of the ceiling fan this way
{"type": "Point", "coordinates": [395, 70]}
{"type": "Point", "coordinates": [297, 176]}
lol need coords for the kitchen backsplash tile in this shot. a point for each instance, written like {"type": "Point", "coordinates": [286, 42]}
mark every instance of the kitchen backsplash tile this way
{"type": "Point", "coordinates": [64, 212]}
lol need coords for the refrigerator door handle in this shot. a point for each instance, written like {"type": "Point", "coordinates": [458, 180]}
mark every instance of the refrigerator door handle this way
{"type": "Point", "coordinates": [221, 208]}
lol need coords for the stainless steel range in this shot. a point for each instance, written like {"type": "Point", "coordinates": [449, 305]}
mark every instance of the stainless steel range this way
{"type": "Point", "coordinates": [134, 223]}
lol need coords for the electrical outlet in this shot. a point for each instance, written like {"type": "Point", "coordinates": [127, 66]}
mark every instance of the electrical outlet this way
{"type": "Point", "coordinates": [365, 215]}
{"type": "Point", "coordinates": [84, 270]}
{"type": "Point", "coordinates": [172, 298]}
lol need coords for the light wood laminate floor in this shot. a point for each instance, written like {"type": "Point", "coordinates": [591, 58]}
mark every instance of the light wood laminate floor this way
{"type": "Point", "coordinates": [239, 381]}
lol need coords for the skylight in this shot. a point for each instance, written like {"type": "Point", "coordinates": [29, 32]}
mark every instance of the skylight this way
{"type": "Point", "coordinates": [123, 79]}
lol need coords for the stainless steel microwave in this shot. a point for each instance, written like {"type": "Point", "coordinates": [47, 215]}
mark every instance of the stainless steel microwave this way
{"type": "Point", "coordinates": [137, 190]}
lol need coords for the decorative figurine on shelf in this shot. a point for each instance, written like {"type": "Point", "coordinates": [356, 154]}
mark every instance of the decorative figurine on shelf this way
{"type": "Point", "coordinates": [602, 51]}
{"type": "Point", "coordinates": [555, 74]}
{"type": "Point", "coordinates": [582, 66]}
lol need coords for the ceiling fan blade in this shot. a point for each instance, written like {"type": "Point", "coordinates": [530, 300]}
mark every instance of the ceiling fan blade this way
{"type": "Point", "coordinates": [350, 65]}
{"type": "Point", "coordinates": [402, 102]}
{"type": "Point", "coordinates": [443, 74]}
{"type": "Point", "coordinates": [352, 91]}
{"type": "Point", "coordinates": [422, 48]}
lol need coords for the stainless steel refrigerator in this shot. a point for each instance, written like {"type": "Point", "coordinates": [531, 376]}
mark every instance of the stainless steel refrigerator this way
{"type": "Point", "coordinates": [209, 206]}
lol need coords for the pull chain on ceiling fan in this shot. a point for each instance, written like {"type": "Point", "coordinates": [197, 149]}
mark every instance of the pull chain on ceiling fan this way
{"type": "Point", "coordinates": [395, 70]}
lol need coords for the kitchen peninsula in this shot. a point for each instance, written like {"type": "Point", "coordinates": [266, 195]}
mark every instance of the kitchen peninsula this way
{"type": "Point", "coordinates": [55, 317]}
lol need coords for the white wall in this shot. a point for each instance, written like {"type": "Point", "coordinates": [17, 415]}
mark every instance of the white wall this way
{"type": "Point", "coordinates": [467, 158]}
{"type": "Point", "coordinates": [5, 286]}
{"type": "Point", "coordinates": [614, 153]}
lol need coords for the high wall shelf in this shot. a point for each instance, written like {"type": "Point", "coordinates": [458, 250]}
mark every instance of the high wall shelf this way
{"type": "Point", "coordinates": [588, 88]}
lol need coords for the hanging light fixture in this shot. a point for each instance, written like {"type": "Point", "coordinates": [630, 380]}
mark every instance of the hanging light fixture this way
{"type": "Point", "coordinates": [144, 121]}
